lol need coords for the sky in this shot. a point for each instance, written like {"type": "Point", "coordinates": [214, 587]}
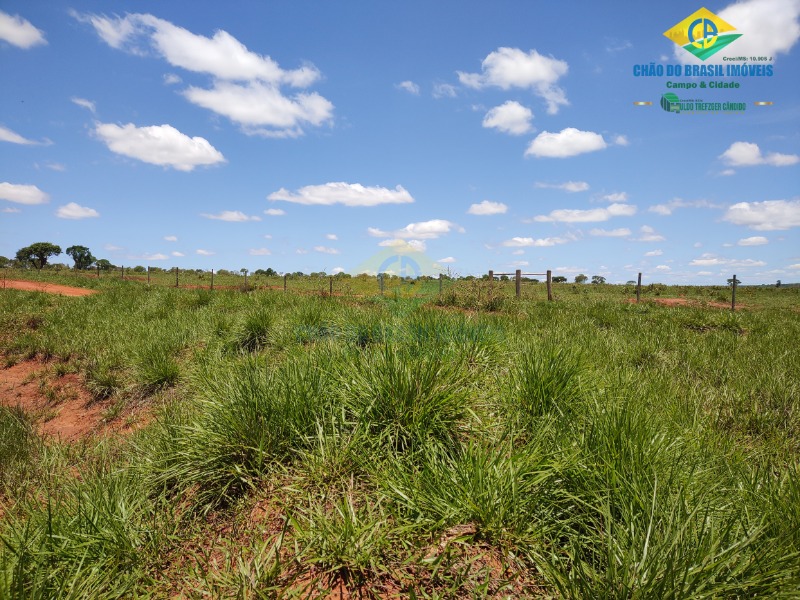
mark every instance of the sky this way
{"type": "Point", "coordinates": [466, 136]}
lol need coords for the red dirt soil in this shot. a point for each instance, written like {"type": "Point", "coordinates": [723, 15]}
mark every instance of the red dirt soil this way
{"type": "Point", "coordinates": [60, 405]}
{"type": "Point", "coordinates": [50, 288]}
{"type": "Point", "coordinates": [683, 302]}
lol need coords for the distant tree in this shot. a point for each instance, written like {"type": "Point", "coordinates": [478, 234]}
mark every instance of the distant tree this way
{"type": "Point", "coordinates": [778, 284]}
{"type": "Point", "coordinates": [81, 255]}
{"type": "Point", "coordinates": [581, 278]}
{"type": "Point", "coordinates": [104, 264]}
{"type": "Point", "coordinates": [38, 253]}
{"type": "Point", "coordinates": [6, 262]}
{"type": "Point", "coordinates": [730, 281]}
{"type": "Point", "coordinates": [630, 282]}
{"type": "Point", "coordinates": [598, 279]}
{"type": "Point", "coordinates": [559, 279]}
{"type": "Point", "coordinates": [139, 269]}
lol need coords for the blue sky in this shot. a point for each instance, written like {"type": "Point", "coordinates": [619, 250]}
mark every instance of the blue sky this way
{"type": "Point", "coordinates": [318, 136]}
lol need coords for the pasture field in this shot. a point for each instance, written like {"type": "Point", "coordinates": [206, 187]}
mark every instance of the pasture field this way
{"type": "Point", "coordinates": [462, 445]}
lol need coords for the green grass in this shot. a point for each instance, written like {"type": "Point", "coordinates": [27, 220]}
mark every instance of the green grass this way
{"type": "Point", "coordinates": [416, 445]}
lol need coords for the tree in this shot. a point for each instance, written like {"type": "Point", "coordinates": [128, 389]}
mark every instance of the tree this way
{"type": "Point", "coordinates": [630, 282]}
{"type": "Point", "coordinates": [581, 278]}
{"type": "Point", "coordinates": [38, 253]}
{"type": "Point", "coordinates": [6, 262]}
{"type": "Point", "coordinates": [730, 281]}
{"type": "Point", "coordinates": [778, 284]}
{"type": "Point", "coordinates": [81, 255]}
{"type": "Point", "coordinates": [104, 264]}
{"type": "Point", "coordinates": [559, 279]}
{"type": "Point", "coordinates": [598, 279]}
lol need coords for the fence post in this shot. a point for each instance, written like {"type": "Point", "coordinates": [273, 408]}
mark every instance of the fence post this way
{"type": "Point", "coordinates": [212, 279]}
{"type": "Point", "coordinates": [245, 281]}
{"type": "Point", "coordinates": [148, 274]}
{"type": "Point", "coordinates": [549, 285]}
{"type": "Point", "coordinates": [98, 271]}
{"type": "Point", "coordinates": [380, 282]}
{"type": "Point", "coordinates": [638, 288]}
{"type": "Point", "coordinates": [518, 281]}
{"type": "Point", "coordinates": [122, 270]}
{"type": "Point", "coordinates": [733, 294]}
{"type": "Point", "coordinates": [440, 284]}
{"type": "Point", "coordinates": [285, 275]}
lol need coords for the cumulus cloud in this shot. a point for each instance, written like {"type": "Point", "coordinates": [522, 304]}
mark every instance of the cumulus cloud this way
{"type": "Point", "coordinates": [159, 145]}
{"type": "Point", "coordinates": [424, 230]}
{"type": "Point", "coordinates": [446, 260]}
{"type": "Point", "coordinates": [525, 242]}
{"type": "Point", "coordinates": [172, 79]}
{"type": "Point", "coordinates": [663, 268]}
{"type": "Point", "coordinates": [84, 103]}
{"type": "Point", "coordinates": [616, 197]}
{"type": "Point", "coordinates": [709, 260]}
{"type": "Point", "coordinates": [768, 28]}
{"type": "Point", "coordinates": [246, 87]}
{"type": "Point", "coordinates": [592, 215]}
{"type": "Point", "coordinates": [756, 240]}
{"type": "Point", "coordinates": [404, 245]}
{"type": "Point", "coordinates": [325, 250]}
{"type": "Point", "coordinates": [337, 270]}
{"type": "Point", "coordinates": [621, 232]}
{"type": "Point", "coordinates": [274, 212]}
{"type": "Point", "coordinates": [6, 135]}
{"type": "Point", "coordinates": [331, 236]}
{"type": "Point", "coordinates": [567, 142]}
{"type": "Point", "coordinates": [770, 215]}
{"type": "Point", "coordinates": [654, 253]}
{"type": "Point", "coordinates": [510, 117]}
{"type": "Point", "coordinates": [177, 254]}
{"type": "Point", "coordinates": [22, 194]}
{"type": "Point", "coordinates": [156, 256]}
{"type": "Point", "coordinates": [648, 234]}
{"type": "Point", "coordinates": [19, 32]}
{"type": "Point", "coordinates": [507, 68]}
{"type": "Point", "coordinates": [171, 238]}
{"type": "Point", "coordinates": [487, 207]}
{"type": "Point", "coordinates": [76, 211]}
{"type": "Point", "coordinates": [260, 252]}
{"type": "Point", "coordinates": [620, 140]}
{"type": "Point", "coordinates": [202, 252]}
{"type": "Point", "coordinates": [408, 86]}
{"type": "Point", "coordinates": [349, 194]}
{"type": "Point", "coordinates": [569, 186]}
{"type": "Point", "coordinates": [746, 154]}
{"type": "Point", "coordinates": [10, 210]}
{"type": "Point", "coordinates": [444, 90]}
{"type": "Point", "coordinates": [232, 216]}
{"type": "Point", "coordinates": [669, 207]}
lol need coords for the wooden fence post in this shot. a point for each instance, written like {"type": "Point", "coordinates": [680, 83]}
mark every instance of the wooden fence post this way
{"type": "Point", "coordinates": [549, 285]}
{"type": "Point", "coordinates": [733, 293]}
{"type": "Point", "coordinates": [245, 281]}
{"type": "Point", "coordinates": [98, 271]}
{"type": "Point", "coordinates": [440, 284]}
{"type": "Point", "coordinates": [638, 288]}
{"type": "Point", "coordinates": [518, 281]}
{"type": "Point", "coordinates": [176, 276]}
{"type": "Point", "coordinates": [122, 270]}
{"type": "Point", "coordinates": [285, 275]}
{"type": "Point", "coordinates": [148, 274]}
{"type": "Point", "coordinates": [330, 286]}
{"type": "Point", "coordinates": [380, 282]}
{"type": "Point", "coordinates": [212, 279]}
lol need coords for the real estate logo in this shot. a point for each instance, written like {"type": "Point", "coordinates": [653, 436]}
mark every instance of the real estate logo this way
{"type": "Point", "coordinates": [702, 33]}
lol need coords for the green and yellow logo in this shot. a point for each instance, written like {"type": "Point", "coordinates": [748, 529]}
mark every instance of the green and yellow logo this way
{"type": "Point", "coordinates": [702, 33]}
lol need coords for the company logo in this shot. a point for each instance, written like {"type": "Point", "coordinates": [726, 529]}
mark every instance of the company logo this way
{"type": "Point", "coordinates": [670, 102]}
{"type": "Point", "coordinates": [702, 33]}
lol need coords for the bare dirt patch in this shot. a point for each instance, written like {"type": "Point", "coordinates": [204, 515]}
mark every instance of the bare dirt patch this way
{"type": "Point", "coordinates": [685, 302]}
{"type": "Point", "coordinates": [48, 288]}
{"type": "Point", "coordinates": [60, 405]}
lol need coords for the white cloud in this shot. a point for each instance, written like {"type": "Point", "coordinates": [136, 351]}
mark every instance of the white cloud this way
{"type": "Point", "coordinates": [727, 172]}
{"type": "Point", "coordinates": [487, 207]}
{"type": "Point", "coordinates": [705, 273]}
{"type": "Point", "coordinates": [331, 236]}
{"type": "Point", "coordinates": [525, 242]}
{"type": "Point", "coordinates": [424, 230]}
{"type": "Point", "coordinates": [654, 253]}
{"type": "Point", "coordinates": [621, 140]}
{"type": "Point", "coordinates": [159, 145]}
{"type": "Point", "coordinates": [337, 270]}
{"type": "Point", "coordinates": [756, 240]}
{"type": "Point", "coordinates": [9, 210]}
{"type": "Point", "coordinates": [446, 260]}
{"type": "Point", "coordinates": [616, 197]}
{"type": "Point", "coordinates": [275, 212]}
{"type": "Point", "coordinates": [232, 216]}
{"type": "Point", "coordinates": [349, 194]}
{"type": "Point", "coordinates": [770, 215]}
{"type": "Point", "coordinates": [171, 238]}
{"type": "Point", "coordinates": [569, 186]}
{"type": "Point", "coordinates": [621, 232]}
{"type": "Point", "coordinates": [76, 211]}
{"type": "Point", "coordinates": [404, 245]}
{"type": "Point", "coordinates": [325, 250]}
{"type": "Point", "coordinates": [6, 135]}
{"type": "Point", "coordinates": [520, 263]}
{"type": "Point", "coordinates": [157, 256]}
{"type": "Point", "coordinates": [84, 103]}
{"type": "Point", "coordinates": [510, 117]}
{"type": "Point", "coordinates": [260, 252]}
{"type": "Point", "coordinates": [56, 167]}
{"type": "Point", "coordinates": [518, 252]}
{"type": "Point", "coordinates": [19, 32]}
{"type": "Point", "coordinates": [444, 90]}
{"type": "Point", "coordinates": [113, 248]}
{"type": "Point", "coordinates": [648, 234]}
{"type": "Point", "coordinates": [508, 68]}
{"type": "Point", "coordinates": [567, 142]}
{"type": "Point", "coordinates": [22, 194]}
{"type": "Point", "coordinates": [202, 252]}
{"type": "Point", "coordinates": [592, 215]}
{"type": "Point", "coordinates": [768, 27]}
{"type": "Point", "coordinates": [246, 85]}
{"type": "Point", "coordinates": [172, 79]}
{"type": "Point", "coordinates": [178, 254]}
{"type": "Point", "coordinates": [669, 207]}
{"type": "Point", "coordinates": [663, 268]}
{"type": "Point", "coordinates": [795, 266]}
{"type": "Point", "coordinates": [408, 86]}
{"type": "Point", "coordinates": [746, 154]}
{"type": "Point", "coordinates": [709, 260]}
